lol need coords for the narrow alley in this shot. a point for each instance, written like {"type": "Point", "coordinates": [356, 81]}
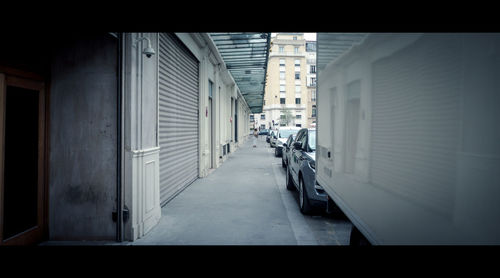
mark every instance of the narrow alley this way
{"type": "Point", "coordinates": [244, 202]}
{"type": "Point", "coordinates": [145, 138]}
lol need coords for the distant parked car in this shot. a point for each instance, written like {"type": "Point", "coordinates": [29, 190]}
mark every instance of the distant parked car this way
{"type": "Point", "coordinates": [272, 139]}
{"type": "Point", "coordinates": [301, 169]}
{"type": "Point", "coordinates": [269, 136]}
{"type": "Point", "coordinates": [282, 136]}
{"type": "Point", "coordinates": [264, 132]}
{"type": "Point", "coordinates": [286, 149]}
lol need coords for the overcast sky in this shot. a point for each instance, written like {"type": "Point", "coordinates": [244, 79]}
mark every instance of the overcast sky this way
{"type": "Point", "coordinates": [310, 36]}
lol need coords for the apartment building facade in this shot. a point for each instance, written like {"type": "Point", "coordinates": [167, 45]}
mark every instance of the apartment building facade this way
{"type": "Point", "coordinates": [311, 83]}
{"type": "Point", "coordinates": [285, 99]}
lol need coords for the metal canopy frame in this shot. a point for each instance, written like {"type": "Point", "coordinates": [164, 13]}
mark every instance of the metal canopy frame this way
{"type": "Point", "coordinates": [245, 56]}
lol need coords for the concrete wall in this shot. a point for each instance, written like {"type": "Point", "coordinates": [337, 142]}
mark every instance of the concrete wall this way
{"type": "Point", "coordinates": [83, 128]}
{"type": "Point", "coordinates": [83, 149]}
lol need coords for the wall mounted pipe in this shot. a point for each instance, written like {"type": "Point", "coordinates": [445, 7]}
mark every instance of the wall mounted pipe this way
{"type": "Point", "coordinates": [120, 150]}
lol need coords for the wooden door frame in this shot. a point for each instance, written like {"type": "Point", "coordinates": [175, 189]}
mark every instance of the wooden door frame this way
{"type": "Point", "coordinates": [31, 81]}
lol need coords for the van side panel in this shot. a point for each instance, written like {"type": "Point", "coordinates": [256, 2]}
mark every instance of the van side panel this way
{"type": "Point", "coordinates": [408, 137]}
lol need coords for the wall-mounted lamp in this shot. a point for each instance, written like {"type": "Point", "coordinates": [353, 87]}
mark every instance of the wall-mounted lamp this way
{"type": "Point", "coordinates": [148, 51]}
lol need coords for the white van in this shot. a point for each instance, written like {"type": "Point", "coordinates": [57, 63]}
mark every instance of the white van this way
{"type": "Point", "coordinates": [408, 136]}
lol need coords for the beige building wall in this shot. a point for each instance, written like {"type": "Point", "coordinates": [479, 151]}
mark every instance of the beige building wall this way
{"type": "Point", "coordinates": [272, 106]}
{"type": "Point", "coordinates": [311, 88]}
{"type": "Point", "coordinates": [311, 121]}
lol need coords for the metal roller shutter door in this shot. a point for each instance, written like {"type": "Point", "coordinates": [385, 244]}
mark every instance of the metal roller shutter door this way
{"type": "Point", "coordinates": [178, 117]}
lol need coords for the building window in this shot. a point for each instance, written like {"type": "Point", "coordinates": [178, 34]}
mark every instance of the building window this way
{"type": "Point", "coordinates": [313, 81]}
{"type": "Point", "coordinates": [297, 63]}
{"type": "Point", "coordinates": [282, 88]}
{"type": "Point", "coordinates": [298, 117]}
{"type": "Point", "coordinates": [297, 100]}
{"type": "Point", "coordinates": [313, 69]}
{"type": "Point", "coordinates": [313, 95]}
{"type": "Point", "coordinates": [298, 125]}
{"type": "Point", "coordinates": [210, 88]}
{"type": "Point", "coordinates": [282, 100]}
{"type": "Point", "coordinates": [282, 75]}
{"type": "Point", "coordinates": [297, 76]}
{"type": "Point", "coordinates": [282, 49]}
{"type": "Point", "coordinates": [282, 62]}
{"type": "Point", "coordinates": [297, 88]}
{"type": "Point", "coordinates": [296, 50]}
{"type": "Point", "coordinates": [282, 117]}
{"type": "Point", "coordinates": [313, 111]}
{"type": "Point", "coordinates": [310, 46]}
{"type": "Point", "coordinates": [263, 116]}
{"type": "Point", "coordinates": [294, 38]}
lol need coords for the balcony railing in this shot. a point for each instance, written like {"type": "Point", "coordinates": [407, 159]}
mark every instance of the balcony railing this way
{"type": "Point", "coordinates": [286, 53]}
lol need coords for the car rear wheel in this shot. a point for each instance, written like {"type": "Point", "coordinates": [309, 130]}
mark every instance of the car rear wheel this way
{"type": "Point", "coordinates": [305, 206]}
{"type": "Point", "coordinates": [289, 182]}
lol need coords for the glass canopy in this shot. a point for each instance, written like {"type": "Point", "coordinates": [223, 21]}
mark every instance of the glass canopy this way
{"type": "Point", "coordinates": [245, 56]}
{"type": "Point", "coordinates": [334, 45]}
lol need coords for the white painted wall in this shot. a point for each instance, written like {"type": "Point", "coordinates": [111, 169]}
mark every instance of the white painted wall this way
{"type": "Point", "coordinates": [212, 68]}
{"type": "Point", "coordinates": [141, 158]}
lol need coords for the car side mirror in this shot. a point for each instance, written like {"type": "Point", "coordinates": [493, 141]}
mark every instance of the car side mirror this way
{"type": "Point", "coordinates": [284, 145]}
{"type": "Point", "coordinates": [297, 145]}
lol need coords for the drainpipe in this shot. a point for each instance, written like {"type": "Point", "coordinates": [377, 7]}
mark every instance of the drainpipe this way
{"type": "Point", "coordinates": [119, 163]}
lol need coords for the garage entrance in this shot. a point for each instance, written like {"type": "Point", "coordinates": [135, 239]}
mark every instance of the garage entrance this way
{"type": "Point", "coordinates": [178, 117]}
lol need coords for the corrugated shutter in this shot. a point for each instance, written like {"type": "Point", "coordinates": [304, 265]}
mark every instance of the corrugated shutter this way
{"type": "Point", "coordinates": [415, 128]}
{"type": "Point", "coordinates": [178, 117]}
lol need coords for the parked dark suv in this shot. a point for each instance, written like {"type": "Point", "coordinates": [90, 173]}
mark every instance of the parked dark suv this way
{"type": "Point", "coordinates": [300, 172]}
{"type": "Point", "coordinates": [286, 150]}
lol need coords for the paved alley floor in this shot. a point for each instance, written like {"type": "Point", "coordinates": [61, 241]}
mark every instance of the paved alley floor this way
{"type": "Point", "coordinates": [243, 202]}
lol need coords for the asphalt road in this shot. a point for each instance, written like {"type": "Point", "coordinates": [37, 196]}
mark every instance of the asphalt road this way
{"type": "Point", "coordinates": [323, 228]}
